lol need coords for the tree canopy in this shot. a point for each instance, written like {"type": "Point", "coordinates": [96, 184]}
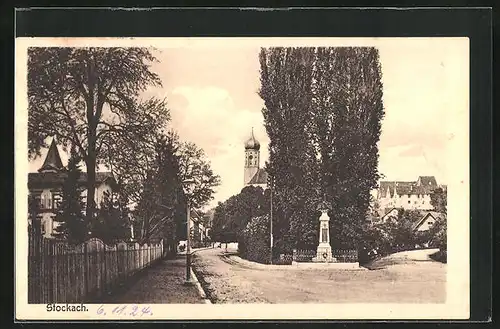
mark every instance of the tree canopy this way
{"type": "Point", "coordinates": [179, 176]}
{"type": "Point", "coordinates": [88, 98]}
{"type": "Point", "coordinates": [232, 216]}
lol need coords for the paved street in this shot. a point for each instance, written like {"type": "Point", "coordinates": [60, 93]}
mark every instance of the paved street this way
{"type": "Point", "coordinates": [228, 279]}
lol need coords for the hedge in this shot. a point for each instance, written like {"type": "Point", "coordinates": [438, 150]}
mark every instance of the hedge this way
{"type": "Point", "coordinates": [253, 242]}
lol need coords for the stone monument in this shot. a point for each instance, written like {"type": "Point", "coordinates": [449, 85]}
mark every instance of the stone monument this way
{"type": "Point", "coordinates": [324, 250]}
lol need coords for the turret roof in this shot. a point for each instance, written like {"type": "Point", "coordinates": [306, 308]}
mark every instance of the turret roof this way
{"type": "Point", "coordinates": [52, 159]}
{"type": "Point", "coordinates": [252, 143]}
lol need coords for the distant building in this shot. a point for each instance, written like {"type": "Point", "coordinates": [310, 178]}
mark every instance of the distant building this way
{"type": "Point", "coordinates": [392, 213]}
{"type": "Point", "coordinates": [407, 195]}
{"type": "Point", "coordinates": [427, 221]}
{"type": "Point", "coordinates": [46, 186]}
{"type": "Point", "coordinates": [253, 174]}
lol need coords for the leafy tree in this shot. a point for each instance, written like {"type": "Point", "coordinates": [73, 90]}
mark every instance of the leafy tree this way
{"type": "Point", "coordinates": [439, 200]}
{"type": "Point", "coordinates": [161, 195]}
{"type": "Point", "coordinates": [73, 225]}
{"type": "Point", "coordinates": [89, 98]}
{"type": "Point", "coordinates": [133, 158]}
{"type": "Point", "coordinates": [286, 82]}
{"type": "Point", "coordinates": [112, 223]}
{"type": "Point", "coordinates": [196, 175]}
{"type": "Point", "coordinates": [180, 175]}
{"type": "Point", "coordinates": [396, 233]}
{"type": "Point", "coordinates": [232, 216]}
{"type": "Point", "coordinates": [438, 231]}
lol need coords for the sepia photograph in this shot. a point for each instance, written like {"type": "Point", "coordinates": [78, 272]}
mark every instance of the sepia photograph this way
{"type": "Point", "coordinates": [311, 174]}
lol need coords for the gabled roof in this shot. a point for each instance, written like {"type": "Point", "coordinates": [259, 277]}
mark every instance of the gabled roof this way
{"type": "Point", "coordinates": [389, 211]}
{"type": "Point", "coordinates": [434, 214]}
{"type": "Point", "coordinates": [52, 159]}
{"type": "Point", "coordinates": [426, 186]}
{"type": "Point", "coordinates": [259, 178]}
{"type": "Point", "coordinates": [427, 181]}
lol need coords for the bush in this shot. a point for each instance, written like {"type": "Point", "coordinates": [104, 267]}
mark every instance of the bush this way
{"type": "Point", "coordinates": [439, 256]}
{"type": "Point", "coordinates": [254, 240]}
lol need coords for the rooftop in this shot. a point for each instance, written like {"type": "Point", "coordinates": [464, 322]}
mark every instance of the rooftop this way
{"type": "Point", "coordinates": [259, 178]}
{"type": "Point", "coordinates": [423, 185]}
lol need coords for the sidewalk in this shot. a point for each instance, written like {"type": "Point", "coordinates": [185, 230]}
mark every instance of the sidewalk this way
{"type": "Point", "coordinates": [161, 284]}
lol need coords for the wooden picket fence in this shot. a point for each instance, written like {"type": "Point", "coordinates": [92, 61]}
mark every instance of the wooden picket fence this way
{"type": "Point", "coordinates": [61, 273]}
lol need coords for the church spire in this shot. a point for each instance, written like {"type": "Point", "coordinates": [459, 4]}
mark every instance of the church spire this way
{"type": "Point", "coordinates": [52, 160]}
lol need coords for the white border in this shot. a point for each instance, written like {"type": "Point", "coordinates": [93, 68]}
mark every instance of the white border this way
{"type": "Point", "coordinates": [457, 305]}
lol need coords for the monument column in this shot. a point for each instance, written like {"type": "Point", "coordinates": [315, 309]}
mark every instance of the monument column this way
{"type": "Point", "coordinates": [324, 250]}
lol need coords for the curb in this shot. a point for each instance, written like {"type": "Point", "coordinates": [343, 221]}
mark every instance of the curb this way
{"type": "Point", "coordinates": [202, 293]}
{"type": "Point", "coordinates": [302, 266]}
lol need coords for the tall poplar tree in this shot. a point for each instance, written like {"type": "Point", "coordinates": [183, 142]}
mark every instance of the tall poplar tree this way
{"type": "Point", "coordinates": [323, 112]}
{"type": "Point", "coordinates": [348, 111]}
{"type": "Point", "coordinates": [286, 79]}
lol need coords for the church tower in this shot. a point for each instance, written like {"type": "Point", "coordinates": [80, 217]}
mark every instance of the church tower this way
{"type": "Point", "coordinates": [252, 158]}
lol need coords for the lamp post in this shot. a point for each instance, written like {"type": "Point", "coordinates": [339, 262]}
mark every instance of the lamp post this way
{"type": "Point", "coordinates": [186, 185]}
{"type": "Point", "coordinates": [271, 220]}
{"type": "Point", "coordinates": [188, 244]}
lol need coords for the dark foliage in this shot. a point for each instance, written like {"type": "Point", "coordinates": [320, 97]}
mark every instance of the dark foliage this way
{"type": "Point", "coordinates": [112, 222]}
{"type": "Point", "coordinates": [323, 112]}
{"type": "Point", "coordinates": [73, 225]}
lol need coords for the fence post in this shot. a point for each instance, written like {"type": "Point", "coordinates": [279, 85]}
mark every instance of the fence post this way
{"type": "Point", "coordinates": [85, 271]}
{"type": "Point", "coordinates": [105, 286]}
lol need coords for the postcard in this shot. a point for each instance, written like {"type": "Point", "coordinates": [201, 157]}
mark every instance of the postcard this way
{"type": "Point", "coordinates": [241, 178]}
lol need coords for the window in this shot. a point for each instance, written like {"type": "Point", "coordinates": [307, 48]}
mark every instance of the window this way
{"type": "Point", "coordinates": [415, 202]}
{"type": "Point", "coordinates": [409, 201]}
{"type": "Point", "coordinates": [46, 199]}
{"type": "Point", "coordinates": [57, 201]}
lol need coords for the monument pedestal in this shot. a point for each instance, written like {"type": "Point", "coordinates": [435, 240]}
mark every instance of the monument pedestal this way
{"type": "Point", "coordinates": [324, 254]}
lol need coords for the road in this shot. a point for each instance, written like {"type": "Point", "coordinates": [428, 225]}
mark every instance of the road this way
{"type": "Point", "coordinates": [228, 279]}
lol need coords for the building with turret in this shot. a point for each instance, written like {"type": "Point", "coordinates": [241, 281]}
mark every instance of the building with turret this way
{"type": "Point", "coordinates": [253, 175]}
{"type": "Point", "coordinates": [46, 186]}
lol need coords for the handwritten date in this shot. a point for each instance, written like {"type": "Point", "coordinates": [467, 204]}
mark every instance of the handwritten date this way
{"type": "Point", "coordinates": [125, 310]}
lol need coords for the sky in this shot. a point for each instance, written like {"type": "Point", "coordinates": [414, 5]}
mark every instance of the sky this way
{"type": "Point", "coordinates": [212, 96]}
